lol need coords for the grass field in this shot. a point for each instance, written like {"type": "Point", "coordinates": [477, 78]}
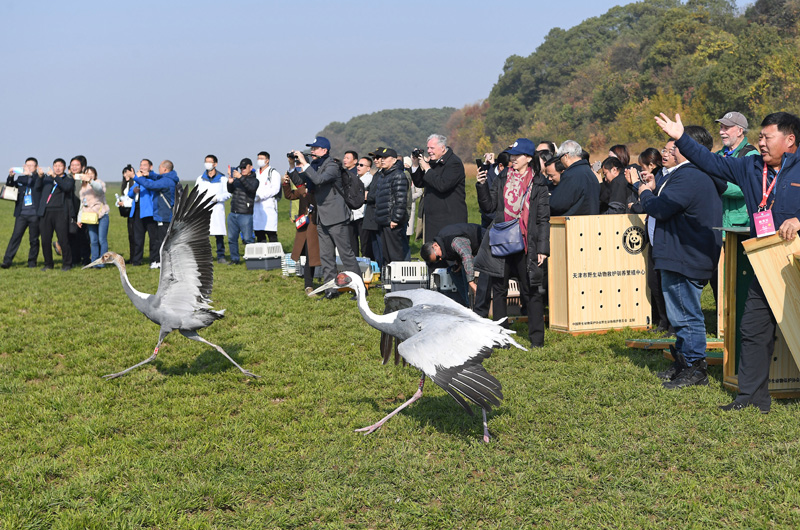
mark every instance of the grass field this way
{"type": "Point", "coordinates": [585, 438]}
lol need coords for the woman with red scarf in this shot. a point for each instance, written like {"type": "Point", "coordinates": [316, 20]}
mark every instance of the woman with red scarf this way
{"type": "Point", "coordinates": [520, 194]}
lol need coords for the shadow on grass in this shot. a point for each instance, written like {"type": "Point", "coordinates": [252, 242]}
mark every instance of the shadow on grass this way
{"type": "Point", "coordinates": [654, 361]}
{"type": "Point", "coordinates": [209, 361]}
{"type": "Point", "coordinates": [439, 412]}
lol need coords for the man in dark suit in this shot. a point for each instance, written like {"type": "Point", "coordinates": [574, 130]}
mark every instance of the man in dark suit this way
{"type": "Point", "coordinates": [333, 215]}
{"type": "Point", "coordinates": [25, 213]}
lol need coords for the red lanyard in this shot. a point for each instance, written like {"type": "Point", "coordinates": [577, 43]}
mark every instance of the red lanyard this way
{"type": "Point", "coordinates": [766, 191]}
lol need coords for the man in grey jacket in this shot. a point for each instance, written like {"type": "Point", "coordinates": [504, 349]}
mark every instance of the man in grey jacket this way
{"type": "Point", "coordinates": [333, 215]}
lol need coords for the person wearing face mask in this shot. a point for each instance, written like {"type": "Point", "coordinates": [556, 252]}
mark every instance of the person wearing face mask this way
{"type": "Point", "coordinates": [265, 209]}
{"type": "Point", "coordinates": [213, 183]}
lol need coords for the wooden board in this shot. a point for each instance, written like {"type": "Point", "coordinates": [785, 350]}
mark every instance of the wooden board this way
{"type": "Point", "coordinates": [771, 258]}
{"type": "Point", "coordinates": [660, 344]}
{"type": "Point", "coordinates": [713, 358]}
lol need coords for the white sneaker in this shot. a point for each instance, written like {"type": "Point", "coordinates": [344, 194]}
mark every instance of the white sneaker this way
{"type": "Point", "coordinates": [155, 265]}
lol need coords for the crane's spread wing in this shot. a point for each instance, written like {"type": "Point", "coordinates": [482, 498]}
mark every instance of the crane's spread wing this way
{"type": "Point", "coordinates": [397, 300]}
{"type": "Point", "coordinates": [187, 271]}
{"type": "Point", "coordinates": [450, 349]}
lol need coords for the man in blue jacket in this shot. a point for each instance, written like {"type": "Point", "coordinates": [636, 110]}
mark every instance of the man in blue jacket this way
{"type": "Point", "coordinates": [142, 215]}
{"type": "Point", "coordinates": [162, 189]}
{"type": "Point", "coordinates": [770, 182]}
{"type": "Point", "coordinates": [686, 251]}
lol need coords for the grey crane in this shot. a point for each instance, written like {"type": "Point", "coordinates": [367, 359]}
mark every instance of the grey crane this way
{"type": "Point", "coordinates": [183, 299]}
{"type": "Point", "coordinates": [438, 336]}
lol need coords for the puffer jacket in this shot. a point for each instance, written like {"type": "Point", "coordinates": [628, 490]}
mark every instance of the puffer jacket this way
{"type": "Point", "coordinates": [391, 196]}
{"type": "Point", "coordinates": [162, 188]}
{"type": "Point", "coordinates": [243, 193]}
{"type": "Point", "coordinates": [491, 200]}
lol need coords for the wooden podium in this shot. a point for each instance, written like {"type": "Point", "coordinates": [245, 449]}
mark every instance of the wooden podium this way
{"type": "Point", "coordinates": [597, 273]}
{"type": "Point", "coordinates": [768, 254]}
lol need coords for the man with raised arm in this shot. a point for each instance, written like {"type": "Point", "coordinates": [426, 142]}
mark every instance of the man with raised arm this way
{"type": "Point", "coordinates": [771, 187]}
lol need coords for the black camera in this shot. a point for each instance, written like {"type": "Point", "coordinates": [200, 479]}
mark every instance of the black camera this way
{"type": "Point", "coordinates": [291, 156]}
{"type": "Point", "coordinates": [418, 153]}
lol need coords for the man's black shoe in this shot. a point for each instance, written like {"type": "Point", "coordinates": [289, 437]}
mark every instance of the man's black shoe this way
{"type": "Point", "coordinates": [66, 268]}
{"type": "Point", "coordinates": [672, 372]}
{"type": "Point", "coordinates": [330, 295]}
{"type": "Point", "coordinates": [46, 268]}
{"type": "Point", "coordinates": [739, 405]}
{"type": "Point", "coordinates": [5, 265]}
{"type": "Point", "coordinates": [694, 375]}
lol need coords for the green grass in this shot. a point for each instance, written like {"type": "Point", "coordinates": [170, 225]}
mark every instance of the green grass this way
{"type": "Point", "coordinates": [585, 438]}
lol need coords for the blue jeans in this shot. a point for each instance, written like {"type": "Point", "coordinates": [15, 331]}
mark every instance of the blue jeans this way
{"type": "Point", "coordinates": [98, 237]}
{"type": "Point", "coordinates": [682, 297]}
{"type": "Point", "coordinates": [239, 223]}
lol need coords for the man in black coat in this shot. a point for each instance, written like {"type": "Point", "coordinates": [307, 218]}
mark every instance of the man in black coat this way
{"type": "Point", "coordinates": [242, 185]}
{"type": "Point", "coordinates": [391, 214]}
{"type": "Point", "coordinates": [578, 191]}
{"type": "Point", "coordinates": [443, 179]}
{"type": "Point", "coordinates": [458, 244]}
{"type": "Point", "coordinates": [26, 218]}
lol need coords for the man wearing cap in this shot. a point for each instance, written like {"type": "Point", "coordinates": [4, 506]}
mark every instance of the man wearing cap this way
{"type": "Point", "coordinates": [242, 185]}
{"type": "Point", "coordinates": [333, 215]}
{"type": "Point", "coordinates": [443, 178]}
{"type": "Point", "coordinates": [733, 132]}
{"type": "Point", "coordinates": [578, 190]}
{"type": "Point", "coordinates": [391, 214]}
{"type": "Point", "coordinates": [771, 187]}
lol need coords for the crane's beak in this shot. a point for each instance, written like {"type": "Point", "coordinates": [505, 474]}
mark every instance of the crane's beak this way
{"type": "Point", "coordinates": [98, 261]}
{"type": "Point", "coordinates": [324, 287]}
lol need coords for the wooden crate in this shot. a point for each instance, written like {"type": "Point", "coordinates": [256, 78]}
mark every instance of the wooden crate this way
{"type": "Point", "coordinates": [597, 273]}
{"type": "Point", "coordinates": [784, 376]}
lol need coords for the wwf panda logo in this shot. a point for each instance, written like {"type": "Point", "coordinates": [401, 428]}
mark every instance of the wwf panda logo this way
{"type": "Point", "coordinates": [633, 240]}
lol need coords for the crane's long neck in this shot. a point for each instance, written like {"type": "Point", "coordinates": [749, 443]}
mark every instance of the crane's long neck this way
{"type": "Point", "coordinates": [379, 322]}
{"type": "Point", "coordinates": [138, 298]}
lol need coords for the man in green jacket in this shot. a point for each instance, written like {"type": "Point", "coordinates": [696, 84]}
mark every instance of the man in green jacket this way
{"type": "Point", "coordinates": [733, 132]}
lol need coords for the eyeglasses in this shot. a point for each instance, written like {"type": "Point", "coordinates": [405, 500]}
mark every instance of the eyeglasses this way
{"type": "Point", "coordinates": [363, 165]}
{"type": "Point", "coordinates": [665, 150]}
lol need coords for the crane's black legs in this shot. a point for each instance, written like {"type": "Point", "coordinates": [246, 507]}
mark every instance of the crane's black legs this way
{"type": "Point", "coordinates": [416, 396]}
{"type": "Point", "coordinates": [486, 436]}
{"type": "Point", "coordinates": [161, 338]}
{"type": "Point", "coordinates": [194, 336]}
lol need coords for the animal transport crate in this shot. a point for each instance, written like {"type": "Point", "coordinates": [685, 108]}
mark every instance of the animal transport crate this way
{"type": "Point", "coordinates": [263, 256]}
{"type": "Point", "coordinates": [405, 275]}
{"type": "Point", "coordinates": [597, 273]}
{"type": "Point", "coordinates": [769, 260]}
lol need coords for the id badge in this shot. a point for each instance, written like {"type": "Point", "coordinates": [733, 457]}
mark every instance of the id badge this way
{"type": "Point", "coordinates": [763, 223]}
{"type": "Point", "coordinates": [27, 200]}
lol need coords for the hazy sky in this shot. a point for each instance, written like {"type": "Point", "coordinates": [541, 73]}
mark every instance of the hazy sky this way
{"type": "Point", "coordinates": [119, 81]}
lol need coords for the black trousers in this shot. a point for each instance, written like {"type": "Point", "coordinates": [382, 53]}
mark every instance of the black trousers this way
{"type": "Point", "coordinates": [516, 266]}
{"type": "Point", "coordinates": [160, 229]}
{"type": "Point", "coordinates": [758, 328]}
{"type": "Point", "coordinates": [658, 307]}
{"type": "Point", "coordinates": [355, 234]}
{"type": "Point", "coordinates": [58, 222]}
{"type": "Point", "coordinates": [483, 295]}
{"type": "Point", "coordinates": [131, 240]}
{"type": "Point", "coordinates": [148, 226]}
{"type": "Point", "coordinates": [262, 236]}
{"type": "Point", "coordinates": [22, 223]}
{"type": "Point", "coordinates": [79, 245]}
{"type": "Point", "coordinates": [394, 244]}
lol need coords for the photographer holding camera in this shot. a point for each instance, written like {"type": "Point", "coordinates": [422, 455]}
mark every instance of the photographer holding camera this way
{"type": "Point", "coordinates": [442, 177]}
{"type": "Point", "coordinates": [242, 185]}
{"type": "Point", "coordinates": [333, 215]}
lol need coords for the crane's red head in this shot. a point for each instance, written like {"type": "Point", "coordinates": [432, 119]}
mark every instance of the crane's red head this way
{"type": "Point", "coordinates": [343, 280]}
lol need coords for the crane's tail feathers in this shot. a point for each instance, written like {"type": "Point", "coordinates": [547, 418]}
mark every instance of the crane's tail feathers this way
{"type": "Point", "coordinates": [470, 381]}
{"type": "Point", "coordinates": [498, 322]}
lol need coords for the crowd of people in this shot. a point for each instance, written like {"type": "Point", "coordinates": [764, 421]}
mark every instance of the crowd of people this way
{"type": "Point", "coordinates": [374, 205]}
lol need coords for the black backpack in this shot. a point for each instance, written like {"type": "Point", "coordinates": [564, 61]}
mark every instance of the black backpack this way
{"type": "Point", "coordinates": [352, 189]}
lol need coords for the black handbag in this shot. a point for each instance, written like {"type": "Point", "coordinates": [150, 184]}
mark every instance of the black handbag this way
{"type": "Point", "coordinates": [506, 238]}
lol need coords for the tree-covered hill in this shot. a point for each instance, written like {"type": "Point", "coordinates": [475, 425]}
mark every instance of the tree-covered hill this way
{"type": "Point", "coordinates": [401, 129]}
{"type": "Point", "coordinates": [601, 81]}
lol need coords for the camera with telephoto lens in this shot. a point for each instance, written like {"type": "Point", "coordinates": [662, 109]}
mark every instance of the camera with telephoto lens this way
{"type": "Point", "coordinates": [418, 153]}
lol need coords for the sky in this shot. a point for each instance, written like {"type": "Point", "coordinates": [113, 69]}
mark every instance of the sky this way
{"type": "Point", "coordinates": [121, 81]}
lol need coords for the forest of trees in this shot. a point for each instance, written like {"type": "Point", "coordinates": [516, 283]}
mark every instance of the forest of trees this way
{"type": "Point", "coordinates": [602, 81]}
{"type": "Point", "coordinates": [400, 129]}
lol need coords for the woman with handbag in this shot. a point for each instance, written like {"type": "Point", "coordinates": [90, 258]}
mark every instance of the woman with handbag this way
{"type": "Point", "coordinates": [519, 202]}
{"type": "Point", "coordinates": [124, 202]}
{"type": "Point", "coordinates": [93, 212]}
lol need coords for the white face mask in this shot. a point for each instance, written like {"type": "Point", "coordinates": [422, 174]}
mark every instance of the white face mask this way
{"type": "Point", "coordinates": [209, 166]}
{"type": "Point", "coordinates": [261, 162]}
